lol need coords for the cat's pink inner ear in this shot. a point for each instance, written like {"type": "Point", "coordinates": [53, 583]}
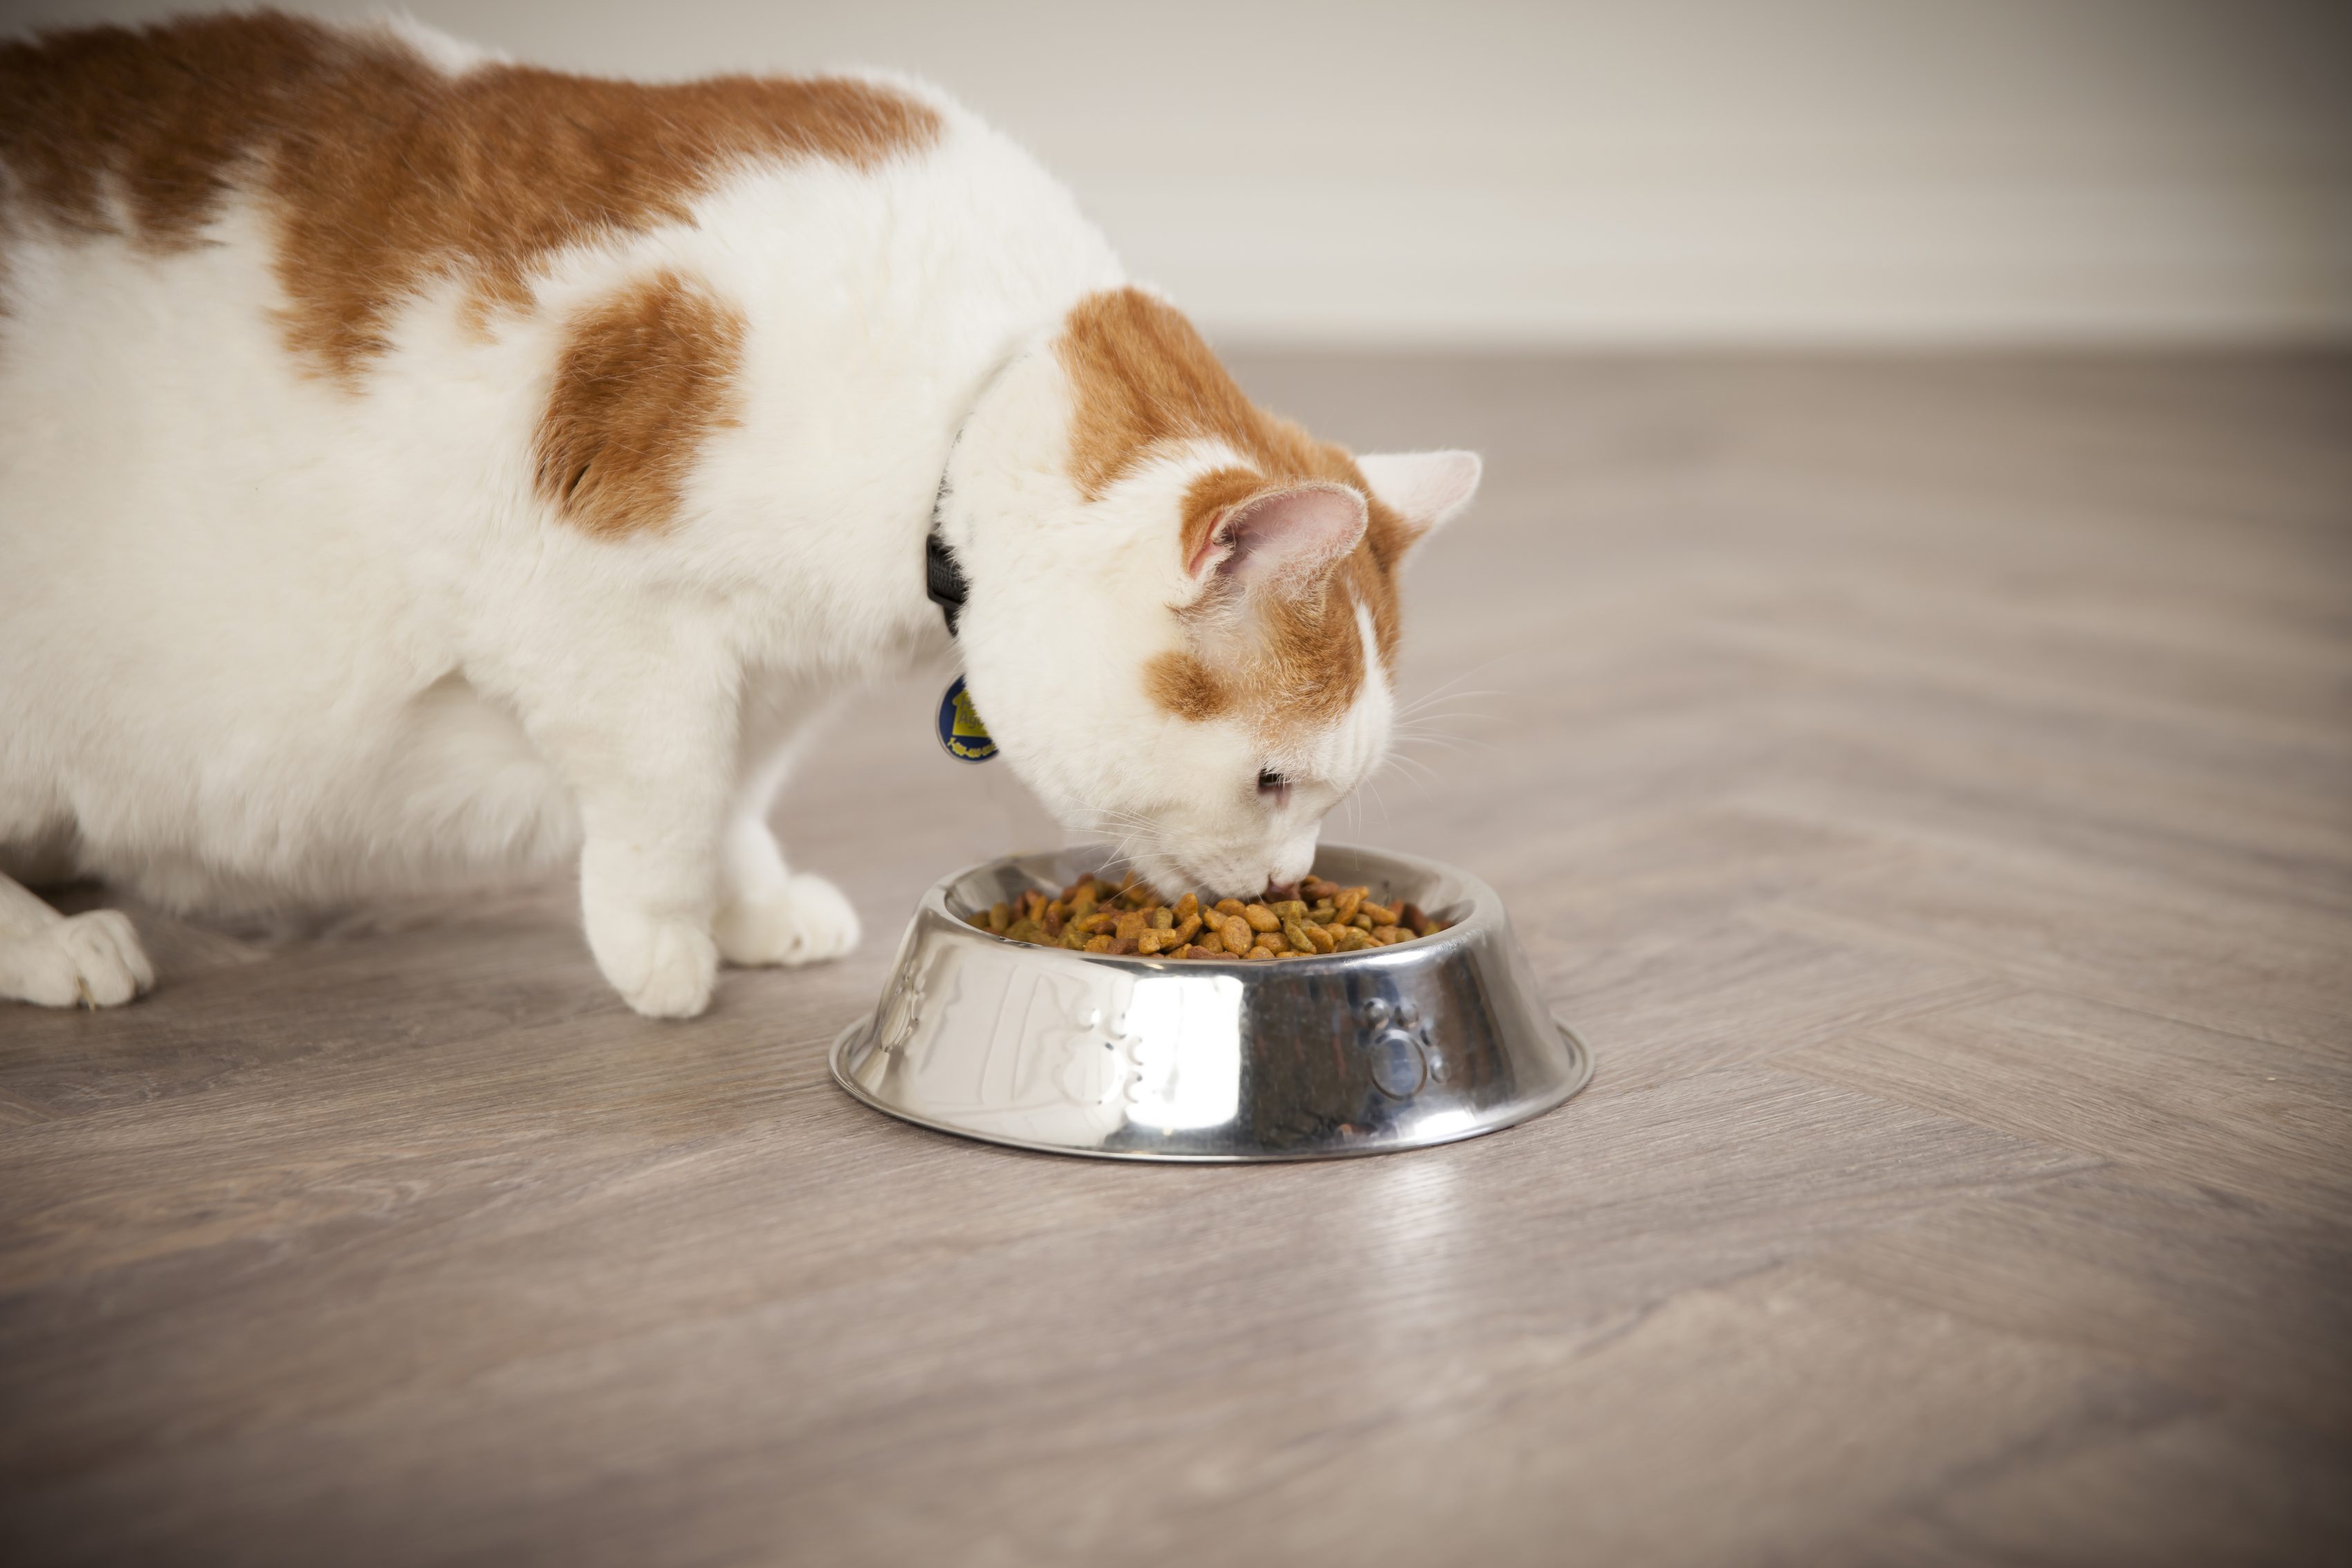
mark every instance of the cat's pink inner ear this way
{"type": "Point", "coordinates": [1284, 535]}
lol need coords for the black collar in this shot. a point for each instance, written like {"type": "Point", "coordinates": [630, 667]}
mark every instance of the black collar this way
{"type": "Point", "coordinates": [946, 578]}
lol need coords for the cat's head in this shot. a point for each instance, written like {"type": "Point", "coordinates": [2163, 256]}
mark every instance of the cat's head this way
{"type": "Point", "coordinates": [1183, 622]}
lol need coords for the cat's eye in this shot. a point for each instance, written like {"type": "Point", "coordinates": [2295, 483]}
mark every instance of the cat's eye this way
{"type": "Point", "coordinates": [1273, 785]}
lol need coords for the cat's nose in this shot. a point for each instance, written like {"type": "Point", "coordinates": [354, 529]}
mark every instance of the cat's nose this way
{"type": "Point", "coordinates": [1291, 861]}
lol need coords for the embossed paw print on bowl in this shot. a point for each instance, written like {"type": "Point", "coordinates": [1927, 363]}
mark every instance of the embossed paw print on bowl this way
{"type": "Point", "coordinates": [1147, 1058]}
{"type": "Point", "coordinates": [1398, 1049]}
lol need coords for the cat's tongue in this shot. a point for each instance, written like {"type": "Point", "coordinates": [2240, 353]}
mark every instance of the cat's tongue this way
{"type": "Point", "coordinates": [1280, 892]}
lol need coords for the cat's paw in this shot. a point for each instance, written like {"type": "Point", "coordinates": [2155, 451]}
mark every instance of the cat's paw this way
{"type": "Point", "coordinates": [803, 921]}
{"type": "Point", "coordinates": [663, 967]}
{"type": "Point", "coordinates": [89, 961]}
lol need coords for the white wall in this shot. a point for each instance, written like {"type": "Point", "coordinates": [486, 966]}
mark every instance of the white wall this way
{"type": "Point", "coordinates": [1676, 170]}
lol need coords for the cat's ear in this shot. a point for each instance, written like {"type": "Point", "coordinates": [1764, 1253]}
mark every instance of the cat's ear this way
{"type": "Point", "coordinates": [1428, 490]}
{"type": "Point", "coordinates": [1282, 536]}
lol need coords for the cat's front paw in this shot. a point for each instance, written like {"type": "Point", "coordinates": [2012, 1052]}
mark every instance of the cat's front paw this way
{"type": "Point", "coordinates": [92, 960]}
{"type": "Point", "coordinates": [803, 921]}
{"type": "Point", "coordinates": [663, 967]}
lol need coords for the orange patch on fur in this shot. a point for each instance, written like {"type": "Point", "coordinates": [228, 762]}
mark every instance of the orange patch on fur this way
{"type": "Point", "coordinates": [1143, 379]}
{"type": "Point", "coordinates": [159, 118]}
{"type": "Point", "coordinates": [1142, 376]}
{"type": "Point", "coordinates": [385, 173]}
{"type": "Point", "coordinates": [1182, 684]}
{"type": "Point", "coordinates": [643, 377]}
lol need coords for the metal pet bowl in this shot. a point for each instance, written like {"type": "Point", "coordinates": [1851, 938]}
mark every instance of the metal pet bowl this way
{"type": "Point", "coordinates": [1150, 1059]}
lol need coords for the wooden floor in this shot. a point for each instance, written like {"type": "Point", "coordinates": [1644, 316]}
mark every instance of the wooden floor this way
{"type": "Point", "coordinates": [1927, 784]}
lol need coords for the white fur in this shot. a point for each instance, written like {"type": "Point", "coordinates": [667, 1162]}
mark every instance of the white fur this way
{"type": "Point", "coordinates": [271, 642]}
{"type": "Point", "coordinates": [452, 57]}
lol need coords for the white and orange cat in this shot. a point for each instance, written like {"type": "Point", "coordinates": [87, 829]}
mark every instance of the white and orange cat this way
{"type": "Point", "coordinates": [416, 467]}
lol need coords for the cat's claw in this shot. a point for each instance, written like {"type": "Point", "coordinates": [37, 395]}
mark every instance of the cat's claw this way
{"type": "Point", "coordinates": [663, 967]}
{"type": "Point", "coordinates": [87, 961]}
{"type": "Point", "coordinates": [804, 921]}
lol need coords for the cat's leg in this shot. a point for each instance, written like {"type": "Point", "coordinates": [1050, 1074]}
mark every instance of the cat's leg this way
{"type": "Point", "coordinates": [769, 913]}
{"type": "Point", "coordinates": [646, 741]}
{"type": "Point", "coordinates": [59, 960]}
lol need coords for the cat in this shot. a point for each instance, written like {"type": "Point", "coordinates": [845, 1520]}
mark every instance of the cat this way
{"type": "Point", "coordinates": [417, 466]}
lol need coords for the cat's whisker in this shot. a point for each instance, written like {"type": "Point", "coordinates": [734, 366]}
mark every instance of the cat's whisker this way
{"type": "Point", "coordinates": [1133, 839]}
{"type": "Point", "coordinates": [1457, 746]}
{"type": "Point", "coordinates": [1462, 706]}
{"type": "Point", "coordinates": [1421, 773]}
{"type": "Point", "coordinates": [1128, 828]}
{"type": "Point", "coordinates": [1475, 670]}
{"type": "Point", "coordinates": [1430, 723]}
{"type": "Point", "coordinates": [1433, 730]}
{"type": "Point", "coordinates": [1438, 724]}
{"type": "Point", "coordinates": [1454, 710]}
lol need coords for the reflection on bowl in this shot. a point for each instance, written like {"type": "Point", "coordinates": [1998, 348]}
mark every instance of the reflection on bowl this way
{"type": "Point", "coordinates": [1145, 1058]}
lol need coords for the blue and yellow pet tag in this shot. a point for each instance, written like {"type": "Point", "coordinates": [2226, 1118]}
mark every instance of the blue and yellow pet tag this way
{"type": "Point", "coordinates": [961, 731]}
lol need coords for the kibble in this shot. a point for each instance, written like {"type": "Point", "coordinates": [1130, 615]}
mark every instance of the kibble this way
{"type": "Point", "coordinates": [1092, 915]}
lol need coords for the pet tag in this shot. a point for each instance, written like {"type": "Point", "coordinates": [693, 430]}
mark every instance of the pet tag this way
{"type": "Point", "coordinates": [961, 730]}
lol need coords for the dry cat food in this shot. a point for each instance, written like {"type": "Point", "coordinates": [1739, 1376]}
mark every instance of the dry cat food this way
{"type": "Point", "coordinates": [1127, 918]}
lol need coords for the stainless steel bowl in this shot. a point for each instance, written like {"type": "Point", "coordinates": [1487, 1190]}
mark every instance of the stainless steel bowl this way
{"type": "Point", "coordinates": [1150, 1059]}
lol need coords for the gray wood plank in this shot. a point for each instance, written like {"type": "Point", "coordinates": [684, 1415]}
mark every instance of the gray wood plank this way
{"type": "Point", "coordinates": [2269, 1121]}
{"type": "Point", "coordinates": [2234, 1300]}
{"type": "Point", "coordinates": [2203, 1487]}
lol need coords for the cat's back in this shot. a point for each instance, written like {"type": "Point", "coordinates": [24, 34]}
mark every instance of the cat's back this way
{"type": "Point", "coordinates": [383, 161]}
{"type": "Point", "coordinates": [314, 266]}
{"type": "Point", "coordinates": [301, 327]}
{"type": "Point", "coordinates": [256, 232]}
{"type": "Point", "coordinates": [284, 299]}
